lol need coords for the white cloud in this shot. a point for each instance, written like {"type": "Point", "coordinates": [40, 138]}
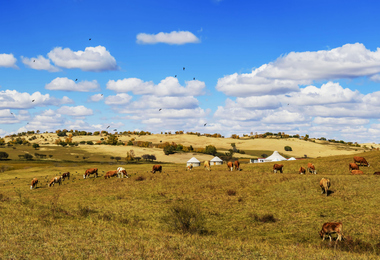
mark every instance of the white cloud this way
{"type": "Point", "coordinates": [91, 59]}
{"type": "Point", "coordinates": [66, 84]}
{"type": "Point", "coordinates": [39, 63]}
{"type": "Point", "coordinates": [164, 103]}
{"type": "Point", "coordinates": [284, 117]}
{"type": "Point", "coordinates": [96, 98]}
{"type": "Point", "coordinates": [8, 61]}
{"type": "Point", "coordinates": [167, 87]}
{"type": "Point", "coordinates": [333, 121]}
{"type": "Point", "coordinates": [294, 69]}
{"type": "Point", "coordinates": [75, 111]}
{"type": "Point", "coordinates": [119, 99]}
{"type": "Point", "coordinates": [15, 99]}
{"type": "Point", "coordinates": [174, 37]}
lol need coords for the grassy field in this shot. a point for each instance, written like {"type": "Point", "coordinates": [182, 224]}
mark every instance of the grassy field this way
{"type": "Point", "coordinates": [176, 214]}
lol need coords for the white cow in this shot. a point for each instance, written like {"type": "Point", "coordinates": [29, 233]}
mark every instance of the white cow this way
{"type": "Point", "coordinates": [121, 172]}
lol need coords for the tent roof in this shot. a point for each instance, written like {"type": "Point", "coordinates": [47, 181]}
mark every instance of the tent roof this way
{"type": "Point", "coordinates": [216, 159]}
{"type": "Point", "coordinates": [291, 159]}
{"type": "Point", "coordinates": [193, 160]}
{"type": "Point", "coordinates": [275, 157]}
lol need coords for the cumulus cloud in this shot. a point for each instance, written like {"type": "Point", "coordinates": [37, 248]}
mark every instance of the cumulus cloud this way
{"type": "Point", "coordinates": [75, 111]}
{"type": "Point", "coordinates": [70, 85]}
{"type": "Point", "coordinates": [15, 99]}
{"type": "Point", "coordinates": [95, 98]}
{"type": "Point", "coordinates": [39, 63]}
{"type": "Point", "coordinates": [167, 87]}
{"type": "Point", "coordinates": [91, 59]}
{"type": "Point", "coordinates": [333, 121]}
{"type": "Point", "coordinates": [290, 71]}
{"type": "Point", "coordinates": [174, 37]}
{"type": "Point", "coordinates": [119, 99]}
{"type": "Point", "coordinates": [8, 61]}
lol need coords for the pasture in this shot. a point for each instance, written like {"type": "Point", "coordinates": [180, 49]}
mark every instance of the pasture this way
{"type": "Point", "coordinates": [177, 214]}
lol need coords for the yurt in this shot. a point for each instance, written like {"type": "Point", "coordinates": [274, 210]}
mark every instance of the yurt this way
{"type": "Point", "coordinates": [194, 161]}
{"type": "Point", "coordinates": [275, 157]}
{"type": "Point", "coordinates": [216, 161]}
{"type": "Point", "coordinates": [291, 159]}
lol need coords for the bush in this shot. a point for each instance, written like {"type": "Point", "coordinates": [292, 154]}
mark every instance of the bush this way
{"type": "Point", "coordinates": [288, 148]}
{"type": "Point", "coordinates": [3, 155]}
{"type": "Point", "coordinates": [90, 142]}
{"type": "Point", "coordinates": [35, 146]}
{"type": "Point", "coordinates": [267, 218]}
{"type": "Point", "coordinates": [169, 149]}
{"type": "Point", "coordinates": [82, 142]}
{"type": "Point", "coordinates": [185, 219]}
{"type": "Point", "coordinates": [210, 149]}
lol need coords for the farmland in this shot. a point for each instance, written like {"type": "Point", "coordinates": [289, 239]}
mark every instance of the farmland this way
{"type": "Point", "coordinates": [250, 214]}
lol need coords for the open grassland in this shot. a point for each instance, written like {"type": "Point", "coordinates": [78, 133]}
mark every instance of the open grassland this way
{"type": "Point", "coordinates": [177, 214]}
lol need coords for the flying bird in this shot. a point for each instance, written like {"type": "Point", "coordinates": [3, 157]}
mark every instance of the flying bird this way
{"type": "Point", "coordinates": [101, 94]}
{"type": "Point", "coordinates": [33, 100]}
{"type": "Point", "coordinates": [175, 76]}
{"type": "Point", "coordinates": [183, 68]}
{"type": "Point", "coordinates": [108, 127]}
{"type": "Point", "coordinates": [76, 79]}
{"type": "Point", "coordinates": [160, 109]}
{"type": "Point", "coordinates": [193, 78]}
{"type": "Point", "coordinates": [34, 60]}
{"type": "Point", "coordinates": [89, 39]}
{"type": "Point", "coordinates": [205, 124]}
{"type": "Point", "coordinates": [115, 129]}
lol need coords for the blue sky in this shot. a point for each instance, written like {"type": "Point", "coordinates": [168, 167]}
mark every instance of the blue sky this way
{"type": "Point", "coordinates": [300, 67]}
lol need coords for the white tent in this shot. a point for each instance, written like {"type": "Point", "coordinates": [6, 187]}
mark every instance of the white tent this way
{"type": "Point", "coordinates": [216, 161]}
{"type": "Point", "coordinates": [194, 161]}
{"type": "Point", "coordinates": [275, 157]}
{"type": "Point", "coordinates": [291, 159]}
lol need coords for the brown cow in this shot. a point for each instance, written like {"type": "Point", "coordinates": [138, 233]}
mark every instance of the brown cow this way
{"type": "Point", "coordinates": [360, 160]}
{"type": "Point", "coordinates": [230, 166]}
{"type": "Point", "coordinates": [65, 175]}
{"type": "Point", "coordinates": [110, 174]}
{"type": "Point", "coordinates": [237, 165]}
{"type": "Point", "coordinates": [34, 183]}
{"type": "Point", "coordinates": [376, 173]}
{"type": "Point", "coordinates": [277, 167]}
{"type": "Point", "coordinates": [207, 165]}
{"type": "Point", "coordinates": [311, 168]}
{"type": "Point", "coordinates": [189, 167]}
{"type": "Point", "coordinates": [121, 172]}
{"type": "Point", "coordinates": [90, 171]}
{"type": "Point", "coordinates": [57, 179]}
{"type": "Point", "coordinates": [302, 170]}
{"type": "Point", "coordinates": [331, 228]}
{"type": "Point", "coordinates": [325, 185]}
{"type": "Point", "coordinates": [357, 172]}
{"type": "Point", "coordinates": [353, 166]}
{"type": "Point", "coordinates": [157, 168]}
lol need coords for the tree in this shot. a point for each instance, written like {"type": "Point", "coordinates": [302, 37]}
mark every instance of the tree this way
{"type": "Point", "coordinates": [28, 156]}
{"type": "Point", "coordinates": [35, 146]}
{"type": "Point", "coordinates": [112, 139]}
{"type": "Point", "coordinates": [117, 158]}
{"type": "Point", "coordinates": [264, 155]}
{"type": "Point", "coordinates": [288, 148]}
{"type": "Point", "coordinates": [3, 155]}
{"type": "Point", "coordinates": [169, 149]}
{"type": "Point", "coordinates": [210, 149]}
{"type": "Point", "coordinates": [90, 142]}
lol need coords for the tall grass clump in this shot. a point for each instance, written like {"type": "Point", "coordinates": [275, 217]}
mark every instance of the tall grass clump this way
{"type": "Point", "coordinates": [185, 218]}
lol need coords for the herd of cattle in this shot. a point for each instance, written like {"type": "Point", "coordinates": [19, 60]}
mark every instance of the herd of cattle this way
{"type": "Point", "coordinates": [328, 228]}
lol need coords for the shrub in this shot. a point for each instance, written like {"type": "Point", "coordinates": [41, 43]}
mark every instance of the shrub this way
{"type": "Point", "coordinates": [231, 192]}
{"type": "Point", "coordinates": [3, 155]}
{"type": "Point", "coordinates": [265, 218]}
{"type": "Point", "coordinates": [288, 148]}
{"type": "Point", "coordinates": [82, 142]}
{"type": "Point", "coordinates": [210, 149]}
{"type": "Point", "coordinates": [185, 218]}
{"type": "Point", "coordinates": [140, 178]}
{"type": "Point", "coordinates": [90, 142]}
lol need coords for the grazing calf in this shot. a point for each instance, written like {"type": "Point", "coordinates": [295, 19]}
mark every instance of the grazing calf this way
{"type": "Point", "coordinates": [110, 174]}
{"type": "Point", "coordinates": [360, 161]}
{"type": "Point", "coordinates": [66, 175]}
{"type": "Point", "coordinates": [353, 166]}
{"type": "Point", "coordinates": [57, 179]}
{"type": "Point", "coordinates": [189, 167]}
{"type": "Point", "coordinates": [34, 183]}
{"type": "Point", "coordinates": [90, 171]}
{"type": "Point", "coordinates": [230, 166]}
{"type": "Point", "coordinates": [121, 172]}
{"type": "Point", "coordinates": [325, 185]}
{"type": "Point", "coordinates": [237, 165]}
{"type": "Point", "coordinates": [331, 228]}
{"type": "Point", "coordinates": [311, 168]}
{"type": "Point", "coordinates": [357, 172]}
{"type": "Point", "coordinates": [376, 173]}
{"type": "Point", "coordinates": [277, 167]}
{"type": "Point", "coordinates": [302, 170]}
{"type": "Point", "coordinates": [207, 165]}
{"type": "Point", "coordinates": [157, 168]}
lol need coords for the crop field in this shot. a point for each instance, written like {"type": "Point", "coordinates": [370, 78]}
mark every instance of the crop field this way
{"type": "Point", "coordinates": [178, 214]}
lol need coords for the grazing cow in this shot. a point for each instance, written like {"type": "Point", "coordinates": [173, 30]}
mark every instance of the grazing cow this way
{"type": "Point", "coordinates": [189, 167]}
{"type": "Point", "coordinates": [57, 179]}
{"type": "Point", "coordinates": [302, 170]}
{"type": "Point", "coordinates": [353, 166]}
{"type": "Point", "coordinates": [121, 172]}
{"type": "Point", "coordinates": [237, 165]}
{"type": "Point", "coordinates": [110, 174]}
{"type": "Point", "coordinates": [157, 168]}
{"type": "Point", "coordinates": [361, 161]}
{"type": "Point", "coordinates": [277, 167]}
{"type": "Point", "coordinates": [34, 183]}
{"type": "Point", "coordinates": [230, 166]}
{"type": "Point", "coordinates": [331, 228]}
{"type": "Point", "coordinates": [376, 173]}
{"type": "Point", "coordinates": [357, 172]}
{"type": "Point", "coordinates": [90, 171]}
{"type": "Point", "coordinates": [65, 175]}
{"type": "Point", "coordinates": [207, 165]}
{"type": "Point", "coordinates": [311, 168]}
{"type": "Point", "coordinates": [325, 185]}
